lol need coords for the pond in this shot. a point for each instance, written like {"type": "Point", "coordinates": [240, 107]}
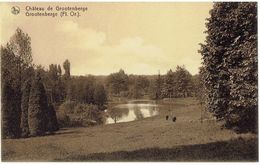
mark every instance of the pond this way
{"type": "Point", "coordinates": [130, 111]}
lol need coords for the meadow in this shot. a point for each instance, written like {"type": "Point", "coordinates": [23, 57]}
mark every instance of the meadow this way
{"type": "Point", "coordinates": [149, 139]}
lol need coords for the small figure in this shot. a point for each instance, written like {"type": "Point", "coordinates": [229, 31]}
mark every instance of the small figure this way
{"type": "Point", "coordinates": [167, 117]}
{"type": "Point", "coordinates": [174, 119]}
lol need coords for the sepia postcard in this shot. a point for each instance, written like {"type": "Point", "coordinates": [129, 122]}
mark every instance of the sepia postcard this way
{"type": "Point", "coordinates": [129, 81]}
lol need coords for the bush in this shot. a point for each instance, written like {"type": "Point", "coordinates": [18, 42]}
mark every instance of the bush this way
{"type": "Point", "coordinates": [68, 107]}
{"type": "Point", "coordinates": [89, 112]}
{"type": "Point", "coordinates": [71, 114]}
{"type": "Point", "coordinates": [63, 119]}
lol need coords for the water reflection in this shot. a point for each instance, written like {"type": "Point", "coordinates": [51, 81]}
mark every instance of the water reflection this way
{"type": "Point", "coordinates": [133, 110]}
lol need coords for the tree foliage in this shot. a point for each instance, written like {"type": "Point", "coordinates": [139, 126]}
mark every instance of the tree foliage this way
{"type": "Point", "coordinates": [183, 82]}
{"type": "Point", "coordinates": [117, 82]}
{"type": "Point", "coordinates": [66, 66]}
{"type": "Point", "coordinates": [55, 86]}
{"type": "Point", "coordinates": [100, 96]}
{"type": "Point", "coordinates": [138, 86]}
{"type": "Point", "coordinates": [38, 108]}
{"type": "Point", "coordinates": [10, 128]}
{"type": "Point", "coordinates": [16, 59]}
{"type": "Point", "coordinates": [230, 62]}
{"type": "Point", "coordinates": [24, 107]}
{"type": "Point", "coordinates": [158, 87]}
{"type": "Point", "coordinates": [52, 119]}
{"type": "Point", "coordinates": [169, 89]}
{"type": "Point", "coordinates": [177, 84]}
{"type": "Point", "coordinates": [24, 102]}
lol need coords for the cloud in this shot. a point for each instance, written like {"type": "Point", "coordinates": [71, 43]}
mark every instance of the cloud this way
{"type": "Point", "coordinates": [82, 38]}
{"type": "Point", "coordinates": [101, 43]}
{"type": "Point", "coordinates": [95, 52]}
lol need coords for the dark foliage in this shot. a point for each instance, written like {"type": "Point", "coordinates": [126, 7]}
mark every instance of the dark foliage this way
{"type": "Point", "coordinates": [55, 86]}
{"type": "Point", "coordinates": [38, 106]}
{"type": "Point", "coordinates": [117, 82]}
{"type": "Point", "coordinates": [66, 66]}
{"type": "Point", "coordinates": [52, 119]}
{"type": "Point", "coordinates": [24, 106]}
{"type": "Point", "coordinates": [230, 62]}
{"type": "Point", "coordinates": [138, 86]}
{"type": "Point", "coordinates": [10, 128]}
{"type": "Point", "coordinates": [85, 89]}
{"type": "Point", "coordinates": [100, 96]}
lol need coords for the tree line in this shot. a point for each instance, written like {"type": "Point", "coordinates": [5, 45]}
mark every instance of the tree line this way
{"type": "Point", "coordinates": [178, 83]}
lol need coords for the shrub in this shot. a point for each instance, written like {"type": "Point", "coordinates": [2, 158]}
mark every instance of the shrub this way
{"type": "Point", "coordinates": [79, 115]}
{"type": "Point", "coordinates": [68, 107]}
{"type": "Point", "coordinates": [63, 119]}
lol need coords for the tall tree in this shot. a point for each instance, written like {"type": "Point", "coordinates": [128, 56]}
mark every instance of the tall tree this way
{"type": "Point", "coordinates": [158, 87]}
{"type": "Point", "coordinates": [169, 88]}
{"type": "Point", "coordinates": [230, 61]}
{"type": "Point", "coordinates": [52, 119]}
{"type": "Point", "coordinates": [70, 91]}
{"type": "Point", "coordinates": [24, 106]}
{"type": "Point", "coordinates": [59, 70]}
{"type": "Point", "coordinates": [55, 87]}
{"type": "Point", "coordinates": [8, 89]}
{"type": "Point", "coordinates": [183, 82]}
{"type": "Point", "coordinates": [9, 119]}
{"type": "Point", "coordinates": [20, 45]}
{"type": "Point", "coordinates": [16, 58]}
{"type": "Point", "coordinates": [135, 90]}
{"type": "Point", "coordinates": [100, 96]}
{"type": "Point", "coordinates": [138, 86]}
{"type": "Point", "coordinates": [117, 82]}
{"type": "Point", "coordinates": [66, 66]}
{"type": "Point", "coordinates": [38, 106]}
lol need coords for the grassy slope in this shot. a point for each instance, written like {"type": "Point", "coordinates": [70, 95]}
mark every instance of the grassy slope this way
{"type": "Point", "coordinates": [151, 139]}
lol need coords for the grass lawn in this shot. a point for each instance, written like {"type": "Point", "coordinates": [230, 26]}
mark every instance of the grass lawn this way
{"type": "Point", "coordinates": [150, 139]}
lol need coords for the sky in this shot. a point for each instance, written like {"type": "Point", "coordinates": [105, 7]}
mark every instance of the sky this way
{"type": "Point", "coordinates": [140, 38]}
